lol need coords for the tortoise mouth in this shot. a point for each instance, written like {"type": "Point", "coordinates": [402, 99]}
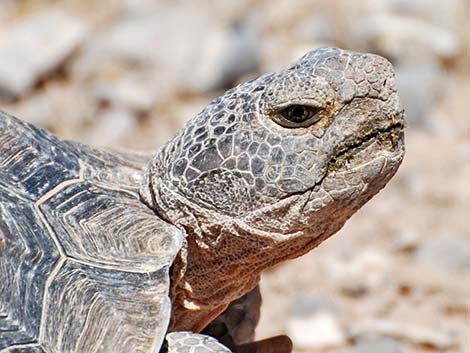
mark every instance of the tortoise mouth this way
{"type": "Point", "coordinates": [388, 138]}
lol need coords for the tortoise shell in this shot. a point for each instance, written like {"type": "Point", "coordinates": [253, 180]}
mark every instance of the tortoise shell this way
{"type": "Point", "coordinates": [81, 257]}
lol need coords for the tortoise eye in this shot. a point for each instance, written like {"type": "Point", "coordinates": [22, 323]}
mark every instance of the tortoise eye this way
{"type": "Point", "coordinates": [298, 116]}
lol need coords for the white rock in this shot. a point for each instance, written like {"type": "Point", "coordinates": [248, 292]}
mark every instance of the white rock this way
{"type": "Point", "coordinates": [179, 48]}
{"type": "Point", "coordinates": [155, 38]}
{"type": "Point", "coordinates": [413, 73]}
{"type": "Point", "coordinates": [222, 57]}
{"type": "Point", "coordinates": [376, 344]}
{"type": "Point", "coordinates": [413, 333]}
{"type": "Point", "coordinates": [130, 91]}
{"type": "Point", "coordinates": [448, 251]}
{"type": "Point", "coordinates": [318, 331]}
{"type": "Point", "coordinates": [36, 46]}
{"type": "Point", "coordinates": [365, 271]}
{"type": "Point", "coordinates": [61, 107]}
{"type": "Point", "coordinates": [111, 129]}
{"type": "Point", "coordinates": [399, 36]}
{"type": "Point", "coordinates": [449, 14]}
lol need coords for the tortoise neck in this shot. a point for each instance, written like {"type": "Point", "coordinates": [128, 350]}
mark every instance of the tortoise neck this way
{"type": "Point", "coordinates": [219, 263]}
{"type": "Point", "coordinates": [207, 276]}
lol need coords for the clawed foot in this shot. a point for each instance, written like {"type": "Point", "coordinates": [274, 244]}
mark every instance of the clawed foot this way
{"type": "Point", "coordinates": [277, 344]}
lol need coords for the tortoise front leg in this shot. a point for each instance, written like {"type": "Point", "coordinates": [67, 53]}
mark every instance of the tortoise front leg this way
{"type": "Point", "coordinates": [235, 327]}
{"type": "Point", "coordinates": [276, 344]}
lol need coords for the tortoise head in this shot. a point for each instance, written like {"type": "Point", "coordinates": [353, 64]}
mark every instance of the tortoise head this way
{"type": "Point", "coordinates": [288, 155]}
{"type": "Point", "coordinates": [270, 169]}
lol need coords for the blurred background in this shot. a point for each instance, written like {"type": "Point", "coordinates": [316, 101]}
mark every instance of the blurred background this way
{"type": "Point", "coordinates": [129, 73]}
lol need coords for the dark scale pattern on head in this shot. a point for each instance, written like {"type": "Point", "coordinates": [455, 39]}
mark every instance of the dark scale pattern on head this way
{"type": "Point", "coordinates": [235, 139]}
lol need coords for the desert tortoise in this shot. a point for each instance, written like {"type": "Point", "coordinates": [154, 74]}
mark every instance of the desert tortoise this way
{"type": "Point", "coordinates": [107, 252]}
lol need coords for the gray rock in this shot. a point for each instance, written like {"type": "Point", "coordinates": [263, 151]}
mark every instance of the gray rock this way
{"type": "Point", "coordinates": [401, 36]}
{"type": "Point", "coordinates": [131, 91]}
{"type": "Point", "coordinates": [236, 56]}
{"type": "Point", "coordinates": [450, 13]}
{"type": "Point", "coordinates": [127, 45]}
{"type": "Point", "coordinates": [303, 305]}
{"type": "Point", "coordinates": [405, 331]}
{"type": "Point", "coordinates": [197, 56]}
{"type": "Point", "coordinates": [414, 73]}
{"type": "Point", "coordinates": [141, 42]}
{"type": "Point", "coordinates": [447, 251]}
{"type": "Point", "coordinates": [221, 56]}
{"type": "Point", "coordinates": [36, 46]}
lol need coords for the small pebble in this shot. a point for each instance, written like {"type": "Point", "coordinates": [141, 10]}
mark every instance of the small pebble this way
{"type": "Point", "coordinates": [412, 333]}
{"type": "Point", "coordinates": [317, 331]}
{"type": "Point", "coordinates": [376, 344]}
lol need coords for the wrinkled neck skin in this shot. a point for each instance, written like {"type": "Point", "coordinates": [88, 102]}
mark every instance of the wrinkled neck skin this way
{"type": "Point", "coordinates": [223, 256]}
{"type": "Point", "coordinates": [222, 260]}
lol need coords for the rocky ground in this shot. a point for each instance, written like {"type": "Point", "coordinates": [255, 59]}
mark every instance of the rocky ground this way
{"type": "Point", "coordinates": [129, 73]}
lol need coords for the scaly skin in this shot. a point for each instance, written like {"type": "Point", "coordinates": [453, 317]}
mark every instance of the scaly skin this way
{"type": "Point", "coordinates": [250, 188]}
